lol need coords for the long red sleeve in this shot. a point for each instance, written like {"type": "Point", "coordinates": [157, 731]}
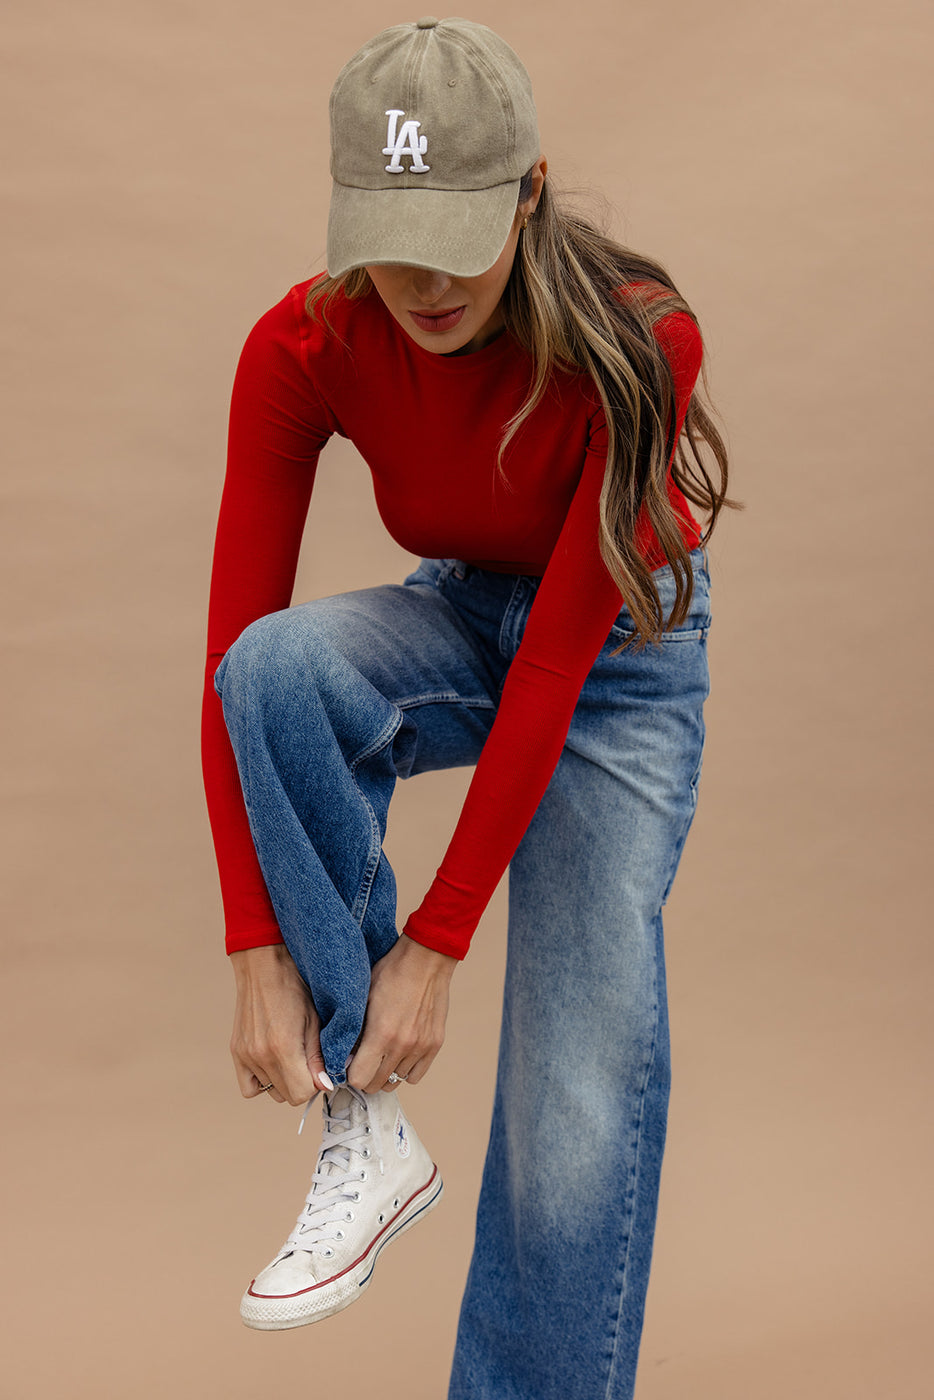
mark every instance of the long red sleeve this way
{"type": "Point", "coordinates": [276, 431]}
{"type": "Point", "coordinates": [429, 427]}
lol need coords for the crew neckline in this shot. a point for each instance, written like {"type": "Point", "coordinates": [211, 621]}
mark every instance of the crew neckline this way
{"type": "Point", "coordinates": [500, 347]}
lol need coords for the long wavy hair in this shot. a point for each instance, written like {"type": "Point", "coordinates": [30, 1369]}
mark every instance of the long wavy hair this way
{"type": "Point", "coordinates": [578, 300]}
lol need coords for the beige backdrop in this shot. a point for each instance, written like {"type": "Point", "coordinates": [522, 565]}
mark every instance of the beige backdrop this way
{"type": "Point", "coordinates": [165, 181]}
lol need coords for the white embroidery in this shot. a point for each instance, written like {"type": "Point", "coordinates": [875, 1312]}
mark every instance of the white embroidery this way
{"type": "Point", "coordinates": [405, 142]}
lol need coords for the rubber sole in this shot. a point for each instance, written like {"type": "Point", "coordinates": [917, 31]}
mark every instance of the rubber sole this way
{"type": "Point", "coordinates": [276, 1314]}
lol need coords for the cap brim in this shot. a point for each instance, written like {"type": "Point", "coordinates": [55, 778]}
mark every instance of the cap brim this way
{"type": "Point", "coordinates": [461, 232]}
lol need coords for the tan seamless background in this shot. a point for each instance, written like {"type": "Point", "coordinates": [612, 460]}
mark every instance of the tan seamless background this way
{"type": "Point", "coordinates": [165, 180]}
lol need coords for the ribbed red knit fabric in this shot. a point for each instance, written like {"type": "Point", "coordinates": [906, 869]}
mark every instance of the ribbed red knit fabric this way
{"type": "Point", "coordinates": [429, 427]}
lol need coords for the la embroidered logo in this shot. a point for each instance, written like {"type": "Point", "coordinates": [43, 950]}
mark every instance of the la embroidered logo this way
{"type": "Point", "coordinates": [404, 141]}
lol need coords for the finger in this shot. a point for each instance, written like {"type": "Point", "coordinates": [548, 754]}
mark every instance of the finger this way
{"type": "Point", "coordinates": [377, 1081]}
{"type": "Point", "coordinates": [369, 1068]}
{"type": "Point", "coordinates": [247, 1082]}
{"type": "Point", "coordinates": [401, 1073]}
{"type": "Point", "coordinates": [277, 1060]}
{"type": "Point", "coordinates": [252, 1082]}
{"type": "Point", "coordinates": [388, 1078]}
{"type": "Point", "coordinates": [389, 1074]}
{"type": "Point", "coordinates": [267, 1087]}
{"type": "Point", "coordinates": [421, 1068]}
{"type": "Point", "coordinates": [295, 1080]}
{"type": "Point", "coordinates": [294, 1074]}
{"type": "Point", "coordinates": [314, 1062]}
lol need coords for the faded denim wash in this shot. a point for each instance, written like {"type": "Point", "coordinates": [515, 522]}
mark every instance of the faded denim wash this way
{"type": "Point", "coordinates": [327, 704]}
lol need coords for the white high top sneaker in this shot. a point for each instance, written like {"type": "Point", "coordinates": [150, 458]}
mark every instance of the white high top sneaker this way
{"type": "Point", "coordinates": [373, 1180]}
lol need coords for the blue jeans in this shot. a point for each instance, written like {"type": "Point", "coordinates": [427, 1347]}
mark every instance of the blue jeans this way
{"type": "Point", "coordinates": [326, 705]}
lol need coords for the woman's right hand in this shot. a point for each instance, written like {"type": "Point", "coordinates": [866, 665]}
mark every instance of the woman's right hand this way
{"type": "Point", "coordinates": [275, 1032]}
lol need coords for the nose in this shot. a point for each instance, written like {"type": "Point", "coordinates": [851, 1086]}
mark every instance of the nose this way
{"type": "Point", "coordinates": [429, 286]}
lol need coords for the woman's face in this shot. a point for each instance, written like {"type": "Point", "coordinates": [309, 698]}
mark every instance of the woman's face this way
{"type": "Point", "coordinates": [447, 314]}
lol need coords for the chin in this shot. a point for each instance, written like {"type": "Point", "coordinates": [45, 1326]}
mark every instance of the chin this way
{"type": "Point", "coordinates": [442, 344]}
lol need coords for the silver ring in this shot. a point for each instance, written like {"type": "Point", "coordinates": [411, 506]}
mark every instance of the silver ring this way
{"type": "Point", "coordinates": [264, 1087]}
{"type": "Point", "coordinates": [397, 1078]}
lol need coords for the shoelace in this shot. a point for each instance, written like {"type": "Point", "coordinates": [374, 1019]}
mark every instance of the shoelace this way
{"type": "Point", "coordinates": [328, 1205]}
{"type": "Point", "coordinates": [377, 1135]}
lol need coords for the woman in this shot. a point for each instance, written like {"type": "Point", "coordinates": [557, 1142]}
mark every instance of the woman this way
{"type": "Point", "coordinates": [519, 386]}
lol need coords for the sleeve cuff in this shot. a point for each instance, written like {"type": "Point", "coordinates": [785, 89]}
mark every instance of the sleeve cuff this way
{"type": "Point", "coordinates": [262, 937]}
{"type": "Point", "coordinates": [437, 940]}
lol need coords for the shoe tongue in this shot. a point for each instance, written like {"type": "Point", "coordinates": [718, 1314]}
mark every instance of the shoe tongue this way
{"type": "Point", "coordinates": [344, 1111]}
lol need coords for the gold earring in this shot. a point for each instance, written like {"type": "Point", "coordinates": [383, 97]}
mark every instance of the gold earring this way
{"type": "Point", "coordinates": [525, 222]}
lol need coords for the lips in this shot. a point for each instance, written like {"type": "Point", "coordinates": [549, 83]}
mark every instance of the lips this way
{"type": "Point", "coordinates": [437, 321]}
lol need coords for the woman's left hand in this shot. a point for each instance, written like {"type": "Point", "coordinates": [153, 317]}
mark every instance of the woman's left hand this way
{"type": "Point", "coordinates": [405, 1016]}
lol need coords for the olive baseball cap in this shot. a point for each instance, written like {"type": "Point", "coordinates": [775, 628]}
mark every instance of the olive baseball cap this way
{"type": "Point", "coordinates": [433, 126]}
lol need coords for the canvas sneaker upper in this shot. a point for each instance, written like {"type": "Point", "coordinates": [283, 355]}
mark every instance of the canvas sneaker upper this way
{"type": "Point", "coordinates": [373, 1179]}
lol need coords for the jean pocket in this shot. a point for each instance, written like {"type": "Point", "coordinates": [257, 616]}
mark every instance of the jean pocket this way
{"type": "Point", "coordinates": [429, 571]}
{"type": "Point", "coordinates": [695, 626]}
{"type": "Point", "coordinates": [692, 632]}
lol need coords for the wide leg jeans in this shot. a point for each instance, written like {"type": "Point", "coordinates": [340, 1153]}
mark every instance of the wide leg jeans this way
{"type": "Point", "coordinates": [326, 705]}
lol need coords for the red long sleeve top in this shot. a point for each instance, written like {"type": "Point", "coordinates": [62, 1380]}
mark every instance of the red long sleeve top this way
{"type": "Point", "coordinates": [429, 427]}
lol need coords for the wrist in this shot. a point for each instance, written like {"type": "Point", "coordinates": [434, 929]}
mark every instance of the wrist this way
{"type": "Point", "coordinates": [248, 963]}
{"type": "Point", "coordinates": [438, 964]}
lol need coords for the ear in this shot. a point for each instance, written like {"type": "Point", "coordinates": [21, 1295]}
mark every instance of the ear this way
{"type": "Point", "coordinates": [539, 171]}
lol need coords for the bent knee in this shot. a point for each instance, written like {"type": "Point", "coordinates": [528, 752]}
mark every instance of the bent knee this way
{"type": "Point", "coordinates": [286, 674]}
{"type": "Point", "coordinates": [271, 655]}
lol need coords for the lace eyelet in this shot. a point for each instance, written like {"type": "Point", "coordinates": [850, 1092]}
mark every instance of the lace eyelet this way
{"type": "Point", "coordinates": [366, 1152]}
{"type": "Point", "coordinates": [396, 1203]}
{"type": "Point", "coordinates": [349, 1216]}
{"type": "Point", "coordinates": [338, 1234]}
{"type": "Point", "coordinates": [381, 1219]}
{"type": "Point", "coordinates": [363, 1176]}
{"type": "Point", "coordinates": [328, 1253]}
{"type": "Point", "coordinates": [356, 1196]}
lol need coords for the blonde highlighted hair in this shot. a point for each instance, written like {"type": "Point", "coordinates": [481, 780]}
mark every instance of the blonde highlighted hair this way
{"type": "Point", "coordinates": [578, 300]}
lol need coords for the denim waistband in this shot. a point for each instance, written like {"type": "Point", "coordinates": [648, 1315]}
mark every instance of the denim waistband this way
{"type": "Point", "coordinates": [462, 568]}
